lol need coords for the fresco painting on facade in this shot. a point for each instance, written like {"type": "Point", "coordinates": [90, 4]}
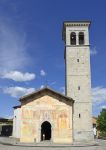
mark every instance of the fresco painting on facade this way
{"type": "Point", "coordinates": [56, 112]}
{"type": "Point", "coordinates": [63, 121]}
{"type": "Point", "coordinates": [27, 113]}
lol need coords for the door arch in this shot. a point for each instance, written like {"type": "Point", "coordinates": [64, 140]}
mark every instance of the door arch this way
{"type": "Point", "coordinates": [45, 131]}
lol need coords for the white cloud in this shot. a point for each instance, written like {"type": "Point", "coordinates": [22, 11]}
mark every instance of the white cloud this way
{"type": "Point", "coordinates": [62, 89]}
{"type": "Point", "coordinates": [42, 86]}
{"type": "Point", "coordinates": [18, 91]}
{"type": "Point", "coordinates": [19, 76]}
{"type": "Point", "coordinates": [93, 51]}
{"type": "Point", "coordinates": [98, 98]}
{"type": "Point", "coordinates": [99, 94]}
{"type": "Point", "coordinates": [104, 106]}
{"type": "Point", "coordinates": [13, 48]}
{"type": "Point", "coordinates": [53, 83]}
{"type": "Point", "coordinates": [42, 73]}
{"type": "Point", "coordinates": [9, 117]}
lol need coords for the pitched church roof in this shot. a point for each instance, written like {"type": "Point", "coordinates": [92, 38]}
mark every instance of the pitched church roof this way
{"type": "Point", "coordinates": [43, 91]}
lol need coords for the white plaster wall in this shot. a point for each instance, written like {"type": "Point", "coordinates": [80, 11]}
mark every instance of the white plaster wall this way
{"type": "Point", "coordinates": [16, 123]}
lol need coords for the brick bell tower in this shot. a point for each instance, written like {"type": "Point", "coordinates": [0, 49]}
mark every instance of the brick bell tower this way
{"type": "Point", "coordinates": [78, 77]}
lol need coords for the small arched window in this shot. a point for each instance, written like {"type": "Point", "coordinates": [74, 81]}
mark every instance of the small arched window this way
{"type": "Point", "coordinates": [81, 38]}
{"type": "Point", "coordinates": [73, 38]}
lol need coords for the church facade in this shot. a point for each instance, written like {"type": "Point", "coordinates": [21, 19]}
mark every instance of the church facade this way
{"type": "Point", "coordinates": [45, 115]}
{"type": "Point", "coordinates": [49, 115]}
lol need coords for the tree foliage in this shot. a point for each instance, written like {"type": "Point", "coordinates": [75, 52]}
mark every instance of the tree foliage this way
{"type": "Point", "coordinates": [101, 122]}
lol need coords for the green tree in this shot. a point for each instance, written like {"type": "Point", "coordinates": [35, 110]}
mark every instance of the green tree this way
{"type": "Point", "coordinates": [101, 122]}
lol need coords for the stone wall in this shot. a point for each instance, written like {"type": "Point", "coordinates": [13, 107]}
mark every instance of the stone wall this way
{"type": "Point", "coordinates": [78, 81]}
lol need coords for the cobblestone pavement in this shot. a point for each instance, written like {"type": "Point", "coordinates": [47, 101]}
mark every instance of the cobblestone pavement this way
{"type": "Point", "coordinates": [102, 146]}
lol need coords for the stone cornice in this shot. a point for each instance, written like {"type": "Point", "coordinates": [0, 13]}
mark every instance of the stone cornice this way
{"type": "Point", "coordinates": [77, 23]}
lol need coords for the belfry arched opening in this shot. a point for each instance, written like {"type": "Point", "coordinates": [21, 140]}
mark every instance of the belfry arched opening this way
{"type": "Point", "coordinates": [45, 131]}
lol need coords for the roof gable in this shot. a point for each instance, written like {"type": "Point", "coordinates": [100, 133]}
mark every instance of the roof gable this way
{"type": "Point", "coordinates": [45, 91]}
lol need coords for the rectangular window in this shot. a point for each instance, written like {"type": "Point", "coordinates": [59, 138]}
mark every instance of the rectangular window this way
{"type": "Point", "coordinates": [78, 87]}
{"type": "Point", "coordinates": [77, 60]}
{"type": "Point", "coordinates": [79, 115]}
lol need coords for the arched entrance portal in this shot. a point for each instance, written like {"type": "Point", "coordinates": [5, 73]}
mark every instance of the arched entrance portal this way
{"type": "Point", "coordinates": [45, 131]}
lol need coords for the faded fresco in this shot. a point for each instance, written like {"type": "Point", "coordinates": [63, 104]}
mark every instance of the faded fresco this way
{"type": "Point", "coordinates": [46, 108]}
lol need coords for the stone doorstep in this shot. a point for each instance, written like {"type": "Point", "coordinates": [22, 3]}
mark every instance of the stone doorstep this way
{"type": "Point", "coordinates": [56, 145]}
{"type": "Point", "coordinates": [15, 142]}
{"type": "Point", "coordinates": [47, 144]}
{"type": "Point", "coordinates": [90, 143]}
{"type": "Point", "coordinates": [52, 145]}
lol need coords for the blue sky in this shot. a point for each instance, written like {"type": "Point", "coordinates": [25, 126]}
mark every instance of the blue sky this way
{"type": "Point", "coordinates": [32, 50]}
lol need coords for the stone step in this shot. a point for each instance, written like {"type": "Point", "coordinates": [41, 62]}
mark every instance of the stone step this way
{"type": "Point", "coordinates": [12, 141]}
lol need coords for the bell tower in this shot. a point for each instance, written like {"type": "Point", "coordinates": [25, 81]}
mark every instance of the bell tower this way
{"type": "Point", "coordinates": [78, 77]}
